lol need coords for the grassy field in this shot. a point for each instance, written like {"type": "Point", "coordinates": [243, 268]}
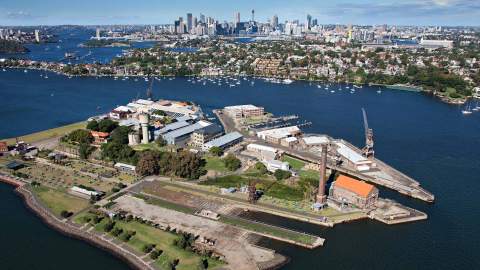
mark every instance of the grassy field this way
{"type": "Point", "coordinates": [274, 189]}
{"type": "Point", "coordinates": [215, 164]}
{"type": "Point", "coordinates": [163, 240]}
{"type": "Point", "coordinates": [48, 134]}
{"type": "Point", "coordinates": [58, 201]}
{"type": "Point", "coordinates": [312, 174]}
{"type": "Point", "coordinates": [296, 164]}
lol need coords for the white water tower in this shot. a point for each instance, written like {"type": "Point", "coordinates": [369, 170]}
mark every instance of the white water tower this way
{"type": "Point", "coordinates": [143, 118]}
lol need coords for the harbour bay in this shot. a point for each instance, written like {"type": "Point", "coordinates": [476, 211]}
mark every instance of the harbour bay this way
{"type": "Point", "coordinates": [418, 135]}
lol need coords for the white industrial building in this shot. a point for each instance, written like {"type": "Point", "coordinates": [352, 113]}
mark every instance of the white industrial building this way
{"type": "Point", "coordinates": [277, 134]}
{"type": "Point", "coordinates": [224, 141]}
{"type": "Point", "coordinates": [360, 162]}
{"type": "Point", "coordinates": [243, 111]}
{"type": "Point", "coordinates": [181, 136]}
{"type": "Point", "coordinates": [262, 151]}
{"type": "Point", "coordinates": [312, 141]}
{"type": "Point", "coordinates": [273, 165]}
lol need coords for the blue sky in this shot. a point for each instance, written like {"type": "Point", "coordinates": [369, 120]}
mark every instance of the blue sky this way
{"type": "Point", "coordinates": [405, 12]}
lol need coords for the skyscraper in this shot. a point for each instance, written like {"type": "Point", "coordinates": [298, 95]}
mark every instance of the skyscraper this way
{"type": "Point", "coordinates": [275, 21]}
{"type": "Point", "coordinates": [308, 22]}
{"type": "Point", "coordinates": [237, 18]}
{"type": "Point", "coordinates": [253, 15]}
{"type": "Point", "coordinates": [189, 22]}
{"type": "Point", "coordinates": [37, 36]}
{"type": "Point", "coordinates": [97, 35]}
{"type": "Point", "coordinates": [202, 18]}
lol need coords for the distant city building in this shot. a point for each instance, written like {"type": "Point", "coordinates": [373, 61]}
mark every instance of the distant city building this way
{"type": "Point", "coordinates": [97, 34]}
{"type": "Point", "coordinates": [37, 36]}
{"type": "Point", "coordinates": [189, 22]}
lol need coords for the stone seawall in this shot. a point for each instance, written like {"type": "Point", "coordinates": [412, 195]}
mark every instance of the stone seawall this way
{"type": "Point", "coordinates": [73, 231]}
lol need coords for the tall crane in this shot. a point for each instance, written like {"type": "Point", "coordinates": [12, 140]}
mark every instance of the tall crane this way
{"type": "Point", "coordinates": [368, 149]}
{"type": "Point", "coordinates": [150, 89]}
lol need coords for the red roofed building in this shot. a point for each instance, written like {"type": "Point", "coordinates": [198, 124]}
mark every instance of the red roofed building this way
{"type": "Point", "coordinates": [3, 147]}
{"type": "Point", "coordinates": [99, 137]}
{"type": "Point", "coordinates": [353, 192]}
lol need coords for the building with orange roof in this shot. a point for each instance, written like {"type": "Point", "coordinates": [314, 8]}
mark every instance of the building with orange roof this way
{"type": "Point", "coordinates": [3, 147]}
{"type": "Point", "coordinates": [99, 137]}
{"type": "Point", "coordinates": [347, 190]}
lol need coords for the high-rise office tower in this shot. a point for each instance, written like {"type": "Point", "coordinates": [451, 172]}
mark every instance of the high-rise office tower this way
{"type": "Point", "coordinates": [202, 18]}
{"type": "Point", "coordinates": [37, 36]}
{"type": "Point", "coordinates": [308, 22]}
{"type": "Point", "coordinates": [97, 35]}
{"type": "Point", "coordinates": [189, 22]}
{"type": "Point", "coordinates": [195, 22]}
{"type": "Point", "coordinates": [237, 18]}
{"type": "Point", "coordinates": [275, 21]}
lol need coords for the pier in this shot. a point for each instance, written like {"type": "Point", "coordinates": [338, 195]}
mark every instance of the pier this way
{"type": "Point", "coordinates": [382, 174]}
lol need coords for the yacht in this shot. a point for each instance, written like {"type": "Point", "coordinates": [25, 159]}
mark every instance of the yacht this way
{"type": "Point", "coordinates": [287, 81]}
{"type": "Point", "coordinates": [477, 107]}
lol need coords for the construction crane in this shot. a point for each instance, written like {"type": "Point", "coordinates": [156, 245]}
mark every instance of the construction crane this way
{"type": "Point", "coordinates": [368, 149]}
{"type": "Point", "coordinates": [150, 89]}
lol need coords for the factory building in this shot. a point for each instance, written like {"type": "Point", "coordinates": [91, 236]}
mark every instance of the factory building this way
{"type": "Point", "coordinates": [181, 136]}
{"type": "Point", "coordinates": [121, 112]}
{"type": "Point", "coordinates": [273, 165]}
{"type": "Point", "coordinates": [243, 111]}
{"type": "Point", "coordinates": [200, 136]}
{"type": "Point", "coordinates": [224, 141]}
{"type": "Point", "coordinates": [352, 192]}
{"type": "Point", "coordinates": [276, 135]}
{"type": "Point", "coordinates": [354, 158]}
{"type": "Point", "coordinates": [262, 151]}
{"type": "Point", "coordinates": [314, 141]}
{"type": "Point", "coordinates": [3, 147]}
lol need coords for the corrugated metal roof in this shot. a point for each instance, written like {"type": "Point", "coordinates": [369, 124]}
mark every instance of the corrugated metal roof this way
{"type": "Point", "coordinates": [225, 139]}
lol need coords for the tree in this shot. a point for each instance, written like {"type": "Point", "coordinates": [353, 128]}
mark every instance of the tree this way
{"type": "Point", "coordinates": [80, 136]}
{"type": "Point", "coordinates": [232, 163]}
{"type": "Point", "coordinates": [216, 151]}
{"type": "Point", "coordinates": [84, 150]}
{"type": "Point", "coordinates": [120, 135]}
{"type": "Point", "coordinates": [160, 141]}
{"type": "Point", "coordinates": [93, 125]}
{"type": "Point", "coordinates": [261, 168]}
{"type": "Point", "coordinates": [281, 174]}
{"type": "Point", "coordinates": [109, 226]}
{"type": "Point", "coordinates": [118, 152]}
{"type": "Point", "coordinates": [107, 125]}
{"type": "Point", "coordinates": [148, 163]}
{"type": "Point", "coordinates": [189, 165]}
{"type": "Point", "coordinates": [66, 214]}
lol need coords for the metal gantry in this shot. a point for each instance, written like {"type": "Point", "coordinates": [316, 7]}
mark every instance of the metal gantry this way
{"type": "Point", "coordinates": [368, 149]}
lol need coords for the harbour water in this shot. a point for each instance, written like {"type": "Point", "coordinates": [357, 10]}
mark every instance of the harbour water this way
{"type": "Point", "coordinates": [68, 42]}
{"type": "Point", "coordinates": [428, 140]}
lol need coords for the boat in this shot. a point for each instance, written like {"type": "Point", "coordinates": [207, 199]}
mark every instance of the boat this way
{"type": "Point", "coordinates": [287, 81]}
{"type": "Point", "coordinates": [379, 91]}
{"type": "Point", "coordinates": [477, 107]}
{"type": "Point", "coordinates": [26, 71]}
{"type": "Point", "coordinates": [467, 110]}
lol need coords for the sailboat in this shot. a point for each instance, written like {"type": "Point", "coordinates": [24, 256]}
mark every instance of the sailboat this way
{"type": "Point", "coordinates": [467, 110]}
{"type": "Point", "coordinates": [477, 107]}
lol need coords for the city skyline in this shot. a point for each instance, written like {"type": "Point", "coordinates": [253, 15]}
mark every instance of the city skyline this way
{"type": "Point", "coordinates": [367, 12]}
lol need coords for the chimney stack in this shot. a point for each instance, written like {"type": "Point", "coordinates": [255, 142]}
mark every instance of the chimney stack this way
{"type": "Point", "coordinates": [321, 197]}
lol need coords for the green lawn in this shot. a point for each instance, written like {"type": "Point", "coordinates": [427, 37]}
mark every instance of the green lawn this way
{"type": "Point", "coordinates": [296, 164]}
{"type": "Point", "coordinates": [271, 188]}
{"type": "Point", "coordinates": [58, 201]}
{"type": "Point", "coordinates": [163, 240]}
{"type": "Point", "coordinates": [215, 164]}
{"type": "Point", "coordinates": [309, 174]}
{"type": "Point", "coordinates": [48, 134]}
